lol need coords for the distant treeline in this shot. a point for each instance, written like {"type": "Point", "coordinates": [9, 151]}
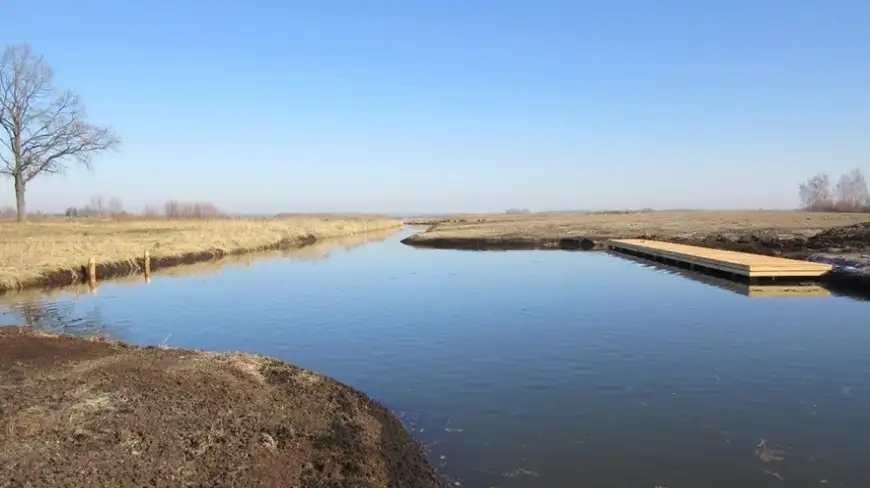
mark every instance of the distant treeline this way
{"type": "Point", "coordinates": [850, 194]}
{"type": "Point", "coordinates": [99, 207]}
{"type": "Point", "coordinates": [113, 208]}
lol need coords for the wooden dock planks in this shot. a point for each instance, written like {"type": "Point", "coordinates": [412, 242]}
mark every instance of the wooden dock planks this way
{"type": "Point", "coordinates": [738, 263]}
{"type": "Point", "coordinates": [736, 286]}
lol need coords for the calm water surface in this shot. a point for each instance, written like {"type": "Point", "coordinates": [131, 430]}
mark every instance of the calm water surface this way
{"type": "Point", "coordinates": [535, 369]}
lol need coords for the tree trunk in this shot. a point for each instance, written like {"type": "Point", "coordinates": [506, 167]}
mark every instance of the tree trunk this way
{"type": "Point", "coordinates": [19, 199]}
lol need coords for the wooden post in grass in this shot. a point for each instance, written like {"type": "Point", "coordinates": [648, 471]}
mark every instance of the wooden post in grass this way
{"type": "Point", "coordinates": [147, 265]}
{"type": "Point", "coordinates": [92, 273]}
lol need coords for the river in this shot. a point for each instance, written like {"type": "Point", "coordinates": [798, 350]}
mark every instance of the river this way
{"type": "Point", "coordinates": [531, 368]}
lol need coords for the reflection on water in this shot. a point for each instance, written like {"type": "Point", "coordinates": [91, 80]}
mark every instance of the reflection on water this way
{"type": "Point", "coordinates": [318, 251]}
{"type": "Point", "coordinates": [59, 310]}
{"type": "Point", "coordinates": [324, 249]}
{"type": "Point", "coordinates": [758, 291]}
{"type": "Point", "coordinates": [56, 316]}
{"type": "Point", "coordinates": [535, 369]}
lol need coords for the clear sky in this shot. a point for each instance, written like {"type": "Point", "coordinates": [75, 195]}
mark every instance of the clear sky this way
{"type": "Point", "coordinates": [457, 105]}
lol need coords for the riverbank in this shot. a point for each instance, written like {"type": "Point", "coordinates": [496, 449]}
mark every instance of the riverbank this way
{"type": "Point", "coordinates": [762, 232]}
{"type": "Point", "coordinates": [53, 253]}
{"type": "Point", "coordinates": [319, 251]}
{"type": "Point", "coordinates": [840, 239]}
{"type": "Point", "coordinates": [86, 412]}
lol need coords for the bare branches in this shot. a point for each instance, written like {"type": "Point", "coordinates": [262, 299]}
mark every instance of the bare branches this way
{"type": "Point", "coordinates": [815, 193]}
{"type": "Point", "coordinates": [850, 195]}
{"type": "Point", "coordinates": [24, 80]}
{"type": "Point", "coordinates": [43, 129]}
{"type": "Point", "coordinates": [852, 190]}
{"type": "Point", "coordinates": [190, 210]}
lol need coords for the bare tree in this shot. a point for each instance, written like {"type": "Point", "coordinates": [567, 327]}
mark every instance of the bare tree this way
{"type": "Point", "coordinates": [852, 191]}
{"type": "Point", "coordinates": [42, 127]}
{"type": "Point", "coordinates": [815, 193]}
{"type": "Point", "coordinates": [96, 207]}
{"type": "Point", "coordinates": [116, 207]}
{"type": "Point", "coordinates": [151, 211]}
{"type": "Point", "coordinates": [174, 209]}
{"type": "Point", "coordinates": [859, 189]}
{"type": "Point", "coordinates": [843, 193]}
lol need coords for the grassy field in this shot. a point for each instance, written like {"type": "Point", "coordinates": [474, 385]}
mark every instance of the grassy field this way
{"type": "Point", "coordinates": [543, 227]}
{"type": "Point", "coordinates": [40, 253]}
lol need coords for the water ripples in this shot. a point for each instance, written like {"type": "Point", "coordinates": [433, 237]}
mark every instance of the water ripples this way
{"type": "Point", "coordinates": [534, 369]}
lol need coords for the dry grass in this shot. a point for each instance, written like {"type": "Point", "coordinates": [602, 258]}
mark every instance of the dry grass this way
{"type": "Point", "coordinates": [670, 223]}
{"type": "Point", "coordinates": [318, 251]}
{"type": "Point", "coordinates": [29, 252]}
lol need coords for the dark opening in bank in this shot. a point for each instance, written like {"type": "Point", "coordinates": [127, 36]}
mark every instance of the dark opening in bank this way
{"type": "Point", "coordinates": [576, 244]}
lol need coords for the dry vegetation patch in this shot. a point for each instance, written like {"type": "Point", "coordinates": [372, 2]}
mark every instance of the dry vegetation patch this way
{"type": "Point", "coordinates": [712, 228]}
{"type": "Point", "coordinates": [30, 252]}
{"type": "Point", "coordinates": [666, 223]}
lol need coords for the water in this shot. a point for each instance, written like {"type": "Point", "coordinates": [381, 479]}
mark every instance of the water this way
{"type": "Point", "coordinates": [534, 369]}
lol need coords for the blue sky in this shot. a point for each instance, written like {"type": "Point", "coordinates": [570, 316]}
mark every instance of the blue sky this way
{"type": "Point", "coordinates": [457, 105]}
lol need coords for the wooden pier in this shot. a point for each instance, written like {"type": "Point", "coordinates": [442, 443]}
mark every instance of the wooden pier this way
{"type": "Point", "coordinates": [736, 286]}
{"type": "Point", "coordinates": [739, 264]}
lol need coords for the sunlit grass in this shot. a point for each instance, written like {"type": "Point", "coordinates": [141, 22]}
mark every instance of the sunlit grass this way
{"type": "Point", "coordinates": [663, 223]}
{"type": "Point", "coordinates": [30, 251]}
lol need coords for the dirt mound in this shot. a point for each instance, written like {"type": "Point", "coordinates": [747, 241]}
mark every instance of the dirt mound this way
{"type": "Point", "coordinates": [844, 239]}
{"type": "Point", "coordinates": [848, 238]}
{"type": "Point", "coordinates": [768, 242]}
{"type": "Point", "coordinates": [80, 412]}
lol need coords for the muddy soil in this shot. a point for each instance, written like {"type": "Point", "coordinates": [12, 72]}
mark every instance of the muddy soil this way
{"type": "Point", "coordinates": [848, 239]}
{"type": "Point", "coordinates": [81, 412]}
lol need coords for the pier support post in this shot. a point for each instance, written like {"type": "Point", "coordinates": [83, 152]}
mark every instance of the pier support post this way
{"type": "Point", "coordinates": [147, 265]}
{"type": "Point", "coordinates": [92, 273]}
